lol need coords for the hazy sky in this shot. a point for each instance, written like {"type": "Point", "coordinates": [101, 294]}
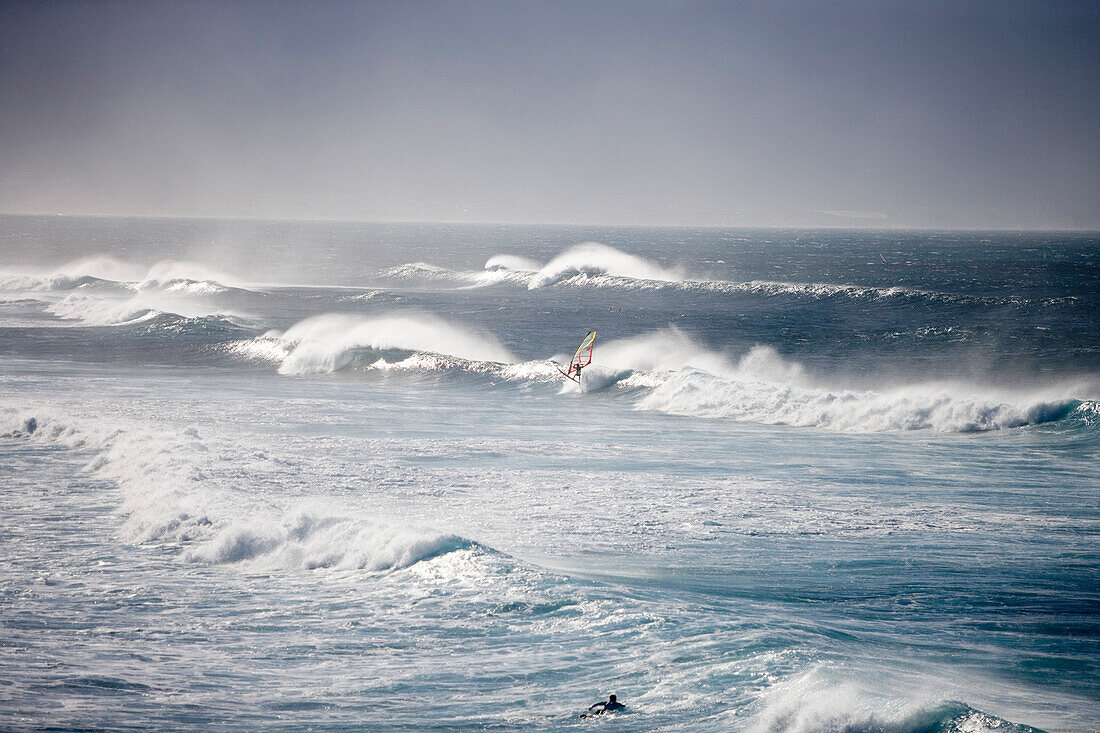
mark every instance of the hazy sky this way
{"type": "Point", "coordinates": [879, 113]}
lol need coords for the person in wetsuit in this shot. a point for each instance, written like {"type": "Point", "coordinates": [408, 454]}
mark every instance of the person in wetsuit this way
{"type": "Point", "coordinates": [577, 370]}
{"type": "Point", "coordinates": [611, 706]}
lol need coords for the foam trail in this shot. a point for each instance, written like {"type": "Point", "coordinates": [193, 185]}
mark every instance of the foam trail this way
{"type": "Point", "coordinates": [686, 378]}
{"type": "Point", "coordinates": [943, 408]}
{"type": "Point", "coordinates": [327, 343]}
{"type": "Point", "coordinates": [180, 489]}
{"type": "Point", "coordinates": [593, 258]}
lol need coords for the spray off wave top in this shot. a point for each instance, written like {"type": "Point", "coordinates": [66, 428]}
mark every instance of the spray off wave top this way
{"type": "Point", "coordinates": [592, 264]}
{"type": "Point", "coordinates": [103, 291]}
{"type": "Point", "coordinates": [165, 275]}
{"type": "Point", "coordinates": [666, 371]}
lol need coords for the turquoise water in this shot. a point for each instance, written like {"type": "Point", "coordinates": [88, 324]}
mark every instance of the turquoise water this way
{"type": "Point", "coordinates": [286, 475]}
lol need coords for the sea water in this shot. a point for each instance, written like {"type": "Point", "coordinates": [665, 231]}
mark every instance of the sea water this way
{"type": "Point", "coordinates": [285, 476]}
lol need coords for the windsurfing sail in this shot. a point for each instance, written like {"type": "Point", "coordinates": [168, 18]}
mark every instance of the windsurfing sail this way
{"type": "Point", "coordinates": [582, 358]}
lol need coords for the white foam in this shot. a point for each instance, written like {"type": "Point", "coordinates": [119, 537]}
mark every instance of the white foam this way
{"type": "Point", "coordinates": [95, 310]}
{"type": "Point", "coordinates": [815, 701]}
{"type": "Point", "coordinates": [943, 408]}
{"type": "Point", "coordinates": [815, 290]}
{"type": "Point", "coordinates": [308, 538]}
{"type": "Point", "coordinates": [268, 348]}
{"type": "Point", "coordinates": [176, 490]}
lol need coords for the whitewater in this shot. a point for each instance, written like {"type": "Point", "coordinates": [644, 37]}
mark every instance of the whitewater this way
{"type": "Point", "coordinates": [287, 475]}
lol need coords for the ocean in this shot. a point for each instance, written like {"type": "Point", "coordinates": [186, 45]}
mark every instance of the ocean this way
{"type": "Point", "coordinates": [327, 476]}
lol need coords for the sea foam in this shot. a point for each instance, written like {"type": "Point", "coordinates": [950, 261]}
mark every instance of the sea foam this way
{"type": "Point", "coordinates": [180, 489]}
{"type": "Point", "coordinates": [942, 408]}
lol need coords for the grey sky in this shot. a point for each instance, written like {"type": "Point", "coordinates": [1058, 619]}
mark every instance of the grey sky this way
{"type": "Point", "coordinates": [940, 114]}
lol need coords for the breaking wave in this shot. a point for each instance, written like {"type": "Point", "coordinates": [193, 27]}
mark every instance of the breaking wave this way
{"type": "Point", "coordinates": [422, 271]}
{"type": "Point", "coordinates": [666, 371]}
{"type": "Point", "coordinates": [919, 407]}
{"type": "Point", "coordinates": [176, 490]}
{"type": "Point", "coordinates": [597, 265]}
{"type": "Point", "coordinates": [103, 291]}
{"type": "Point", "coordinates": [763, 387]}
{"type": "Point", "coordinates": [592, 259]}
{"type": "Point", "coordinates": [330, 342]}
{"type": "Point", "coordinates": [686, 378]}
{"type": "Point", "coordinates": [110, 311]}
{"type": "Point", "coordinates": [170, 276]}
{"type": "Point", "coordinates": [816, 701]}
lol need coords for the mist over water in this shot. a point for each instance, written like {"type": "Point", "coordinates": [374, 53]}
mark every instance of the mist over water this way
{"type": "Point", "coordinates": [331, 476]}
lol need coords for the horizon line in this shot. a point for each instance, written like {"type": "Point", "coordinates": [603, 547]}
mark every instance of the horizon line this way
{"type": "Point", "coordinates": [605, 225]}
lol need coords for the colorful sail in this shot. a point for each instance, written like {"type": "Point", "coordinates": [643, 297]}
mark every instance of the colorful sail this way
{"type": "Point", "coordinates": [582, 358]}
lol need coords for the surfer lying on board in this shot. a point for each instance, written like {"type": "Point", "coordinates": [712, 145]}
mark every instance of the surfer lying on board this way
{"type": "Point", "coordinates": [611, 706]}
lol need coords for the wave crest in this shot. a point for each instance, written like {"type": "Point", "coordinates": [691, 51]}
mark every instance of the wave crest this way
{"type": "Point", "coordinates": [593, 259]}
